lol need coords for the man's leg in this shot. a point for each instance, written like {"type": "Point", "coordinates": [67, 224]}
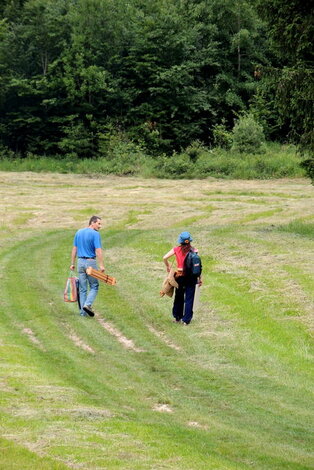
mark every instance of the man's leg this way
{"type": "Point", "coordinates": [93, 291]}
{"type": "Point", "coordinates": [93, 285]}
{"type": "Point", "coordinates": [81, 267]}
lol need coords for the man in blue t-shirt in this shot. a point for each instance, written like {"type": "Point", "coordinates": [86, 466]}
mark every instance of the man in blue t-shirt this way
{"type": "Point", "coordinates": [87, 248]}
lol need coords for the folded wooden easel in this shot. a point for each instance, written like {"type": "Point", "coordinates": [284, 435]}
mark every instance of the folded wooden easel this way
{"type": "Point", "coordinates": [112, 281]}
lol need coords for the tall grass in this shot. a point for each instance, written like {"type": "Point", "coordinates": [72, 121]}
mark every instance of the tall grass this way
{"type": "Point", "coordinates": [299, 227]}
{"type": "Point", "coordinates": [277, 162]}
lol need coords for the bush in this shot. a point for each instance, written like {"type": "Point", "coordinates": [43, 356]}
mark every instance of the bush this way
{"type": "Point", "coordinates": [222, 137]}
{"type": "Point", "coordinates": [308, 165]}
{"type": "Point", "coordinates": [120, 155]}
{"type": "Point", "coordinates": [77, 141]}
{"type": "Point", "coordinates": [248, 136]}
{"type": "Point", "coordinates": [195, 150]}
{"type": "Point", "coordinates": [127, 158]}
{"type": "Point", "coordinates": [175, 166]}
{"type": "Point", "coordinates": [215, 163]}
{"type": "Point", "coordinates": [6, 153]}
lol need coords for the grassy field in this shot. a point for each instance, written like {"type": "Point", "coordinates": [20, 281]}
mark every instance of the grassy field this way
{"type": "Point", "coordinates": [129, 389]}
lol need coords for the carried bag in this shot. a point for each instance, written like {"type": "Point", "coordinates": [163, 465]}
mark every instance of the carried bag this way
{"type": "Point", "coordinates": [71, 289]}
{"type": "Point", "coordinates": [192, 264]}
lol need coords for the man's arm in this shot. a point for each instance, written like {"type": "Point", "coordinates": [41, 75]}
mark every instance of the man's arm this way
{"type": "Point", "coordinates": [73, 256]}
{"type": "Point", "coordinates": [100, 259]}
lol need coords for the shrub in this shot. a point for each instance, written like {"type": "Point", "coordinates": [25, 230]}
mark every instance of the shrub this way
{"type": "Point", "coordinates": [222, 137]}
{"type": "Point", "coordinates": [308, 165]}
{"type": "Point", "coordinates": [120, 155]}
{"type": "Point", "coordinates": [175, 166]}
{"type": "Point", "coordinates": [77, 141]}
{"type": "Point", "coordinates": [126, 158]}
{"type": "Point", "coordinates": [6, 153]}
{"type": "Point", "coordinates": [195, 150]}
{"type": "Point", "coordinates": [215, 163]}
{"type": "Point", "coordinates": [248, 136]}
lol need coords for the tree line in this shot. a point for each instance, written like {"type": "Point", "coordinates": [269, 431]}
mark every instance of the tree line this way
{"type": "Point", "coordinates": [75, 73]}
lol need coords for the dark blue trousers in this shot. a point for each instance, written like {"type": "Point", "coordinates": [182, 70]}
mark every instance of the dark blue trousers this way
{"type": "Point", "coordinates": [183, 300]}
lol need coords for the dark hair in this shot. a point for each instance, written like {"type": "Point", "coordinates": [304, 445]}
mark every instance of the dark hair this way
{"type": "Point", "coordinates": [94, 219]}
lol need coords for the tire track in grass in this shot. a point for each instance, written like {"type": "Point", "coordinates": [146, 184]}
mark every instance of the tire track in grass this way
{"type": "Point", "coordinates": [80, 343]}
{"type": "Point", "coordinates": [163, 337]}
{"type": "Point", "coordinates": [33, 338]}
{"type": "Point", "coordinates": [126, 343]}
{"type": "Point", "coordinates": [138, 299]}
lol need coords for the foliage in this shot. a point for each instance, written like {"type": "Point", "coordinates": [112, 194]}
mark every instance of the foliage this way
{"type": "Point", "coordinates": [195, 150]}
{"type": "Point", "coordinates": [76, 140]}
{"type": "Point", "coordinates": [296, 103]}
{"type": "Point", "coordinates": [221, 136]}
{"type": "Point", "coordinates": [247, 136]}
{"type": "Point", "coordinates": [123, 157]}
{"type": "Point", "coordinates": [6, 153]}
{"type": "Point", "coordinates": [176, 166]}
{"type": "Point", "coordinates": [165, 73]}
{"type": "Point", "coordinates": [277, 162]}
{"type": "Point", "coordinates": [291, 29]}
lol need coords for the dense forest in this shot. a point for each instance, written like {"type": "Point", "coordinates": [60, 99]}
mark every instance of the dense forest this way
{"type": "Point", "coordinates": [77, 74]}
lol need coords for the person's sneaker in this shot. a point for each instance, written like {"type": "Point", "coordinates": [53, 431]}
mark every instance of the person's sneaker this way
{"type": "Point", "coordinates": [89, 310]}
{"type": "Point", "coordinates": [83, 314]}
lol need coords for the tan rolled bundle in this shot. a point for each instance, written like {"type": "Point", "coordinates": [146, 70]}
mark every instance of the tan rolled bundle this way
{"type": "Point", "coordinates": [101, 276]}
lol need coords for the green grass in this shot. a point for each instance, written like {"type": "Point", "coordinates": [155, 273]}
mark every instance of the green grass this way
{"type": "Point", "coordinates": [232, 391]}
{"type": "Point", "coordinates": [259, 215]}
{"type": "Point", "coordinates": [299, 227]}
{"type": "Point", "coordinates": [14, 456]}
{"type": "Point", "coordinates": [278, 161]}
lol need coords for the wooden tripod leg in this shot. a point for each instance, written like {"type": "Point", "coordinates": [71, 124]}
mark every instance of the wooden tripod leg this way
{"type": "Point", "coordinates": [101, 276]}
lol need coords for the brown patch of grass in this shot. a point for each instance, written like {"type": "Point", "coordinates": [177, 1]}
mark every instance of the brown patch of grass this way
{"type": "Point", "coordinates": [161, 335]}
{"type": "Point", "coordinates": [126, 343]}
{"type": "Point", "coordinates": [163, 408]}
{"type": "Point", "coordinates": [80, 343]}
{"type": "Point", "coordinates": [31, 335]}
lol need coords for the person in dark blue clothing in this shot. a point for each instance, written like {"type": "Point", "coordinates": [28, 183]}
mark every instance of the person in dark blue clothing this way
{"type": "Point", "coordinates": [182, 310]}
{"type": "Point", "coordinates": [88, 249]}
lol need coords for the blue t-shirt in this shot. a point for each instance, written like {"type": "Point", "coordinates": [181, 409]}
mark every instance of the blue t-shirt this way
{"type": "Point", "coordinates": [87, 240]}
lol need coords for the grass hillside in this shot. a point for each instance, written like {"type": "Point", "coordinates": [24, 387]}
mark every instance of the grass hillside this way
{"type": "Point", "coordinates": [129, 389]}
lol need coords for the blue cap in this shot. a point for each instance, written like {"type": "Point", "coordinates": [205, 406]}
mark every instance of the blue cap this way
{"type": "Point", "coordinates": [184, 237]}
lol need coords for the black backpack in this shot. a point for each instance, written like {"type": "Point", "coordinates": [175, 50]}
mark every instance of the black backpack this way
{"type": "Point", "coordinates": [192, 264]}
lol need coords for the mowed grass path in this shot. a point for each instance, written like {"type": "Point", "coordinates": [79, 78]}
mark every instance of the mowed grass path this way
{"type": "Point", "coordinates": [129, 389]}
